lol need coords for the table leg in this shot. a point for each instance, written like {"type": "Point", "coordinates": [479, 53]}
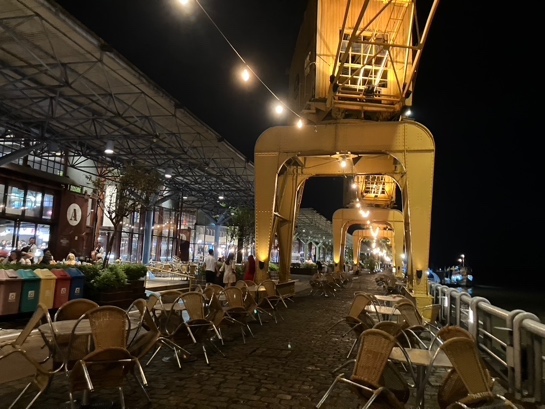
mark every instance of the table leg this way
{"type": "Point", "coordinates": [420, 379]}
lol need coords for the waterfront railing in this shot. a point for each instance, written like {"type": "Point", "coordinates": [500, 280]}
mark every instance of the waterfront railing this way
{"type": "Point", "coordinates": [512, 342]}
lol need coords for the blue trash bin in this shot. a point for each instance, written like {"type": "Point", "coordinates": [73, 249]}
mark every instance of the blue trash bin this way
{"type": "Point", "coordinates": [77, 283]}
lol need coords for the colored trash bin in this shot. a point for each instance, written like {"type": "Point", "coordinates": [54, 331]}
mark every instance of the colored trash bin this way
{"type": "Point", "coordinates": [62, 287]}
{"type": "Point", "coordinates": [77, 283]}
{"type": "Point", "coordinates": [10, 292]}
{"type": "Point", "coordinates": [47, 287]}
{"type": "Point", "coordinates": [30, 292]}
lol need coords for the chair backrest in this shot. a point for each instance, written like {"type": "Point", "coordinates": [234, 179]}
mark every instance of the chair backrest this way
{"type": "Point", "coordinates": [249, 301]}
{"type": "Point", "coordinates": [212, 289]}
{"type": "Point", "coordinates": [270, 288]}
{"type": "Point", "coordinates": [40, 316]}
{"type": "Point", "coordinates": [146, 335]}
{"type": "Point", "coordinates": [152, 300]}
{"type": "Point", "coordinates": [391, 327]}
{"type": "Point", "coordinates": [464, 355]}
{"type": "Point", "coordinates": [194, 305]}
{"type": "Point", "coordinates": [234, 297]}
{"type": "Point", "coordinates": [74, 309]}
{"type": "Point", "coordinates": [168, 296]}
{"type": "Point", "coordinates": [359, 302]}
{"type": "Point", "coordinates": [453, 331]}
{"type": "Point", "coordinates": [241, 284]}
{"type": "Point", "coordinates": [373, 354]}
{"type": "Point", "coordinates": [250, 283]}
{"type": "Point", "coordinates": [136, 312]}
{"type": "Point", "coordinates": [430, 313]}
{"type": "Point", "coordinates": [409, 313]}
{"type": "Point", "coordinates": [110, 326]}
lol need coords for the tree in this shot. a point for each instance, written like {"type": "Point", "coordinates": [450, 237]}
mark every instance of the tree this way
{"type": "Point", "coordinates": [120, 193]}
{"type": "Point", "coordinates": [242, 228]}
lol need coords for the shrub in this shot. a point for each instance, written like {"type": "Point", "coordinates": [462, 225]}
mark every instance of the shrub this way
{"type": "Point", "coordinates": [134, 272]}
{"type": "Point", "coordinates": [90, 271]}
{"type": "Point", "coordinates": [111, 278]}
{"type": "Point", "coordinates": [274, 267]}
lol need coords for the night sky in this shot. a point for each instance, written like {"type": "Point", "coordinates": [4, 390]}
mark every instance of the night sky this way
{"type": "Point", "coordinates": [473, 91]}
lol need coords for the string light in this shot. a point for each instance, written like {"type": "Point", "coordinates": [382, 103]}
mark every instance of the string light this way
{"type": "Point", "coordinates": [245, 75]}
{"type": "Point", "coordinates": [246, 72]}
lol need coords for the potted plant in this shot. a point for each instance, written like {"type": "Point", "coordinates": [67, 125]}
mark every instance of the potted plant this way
{"type": "Point", "coordinates": [136, 274]}
{"type": "Point", "coordinates": [110, 287]}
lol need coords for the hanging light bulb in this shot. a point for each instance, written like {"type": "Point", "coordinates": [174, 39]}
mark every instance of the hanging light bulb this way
{"type": "Point", "coordinates": [300, 123]}
{"type": "Point", "coordinates": [354, 184]}
{"type": "Point", "coordinates": [245, 75]}
{"type": "Point", "coordinates": [279, 109]}
{"type": "Point", "coordinates": [109, 148]}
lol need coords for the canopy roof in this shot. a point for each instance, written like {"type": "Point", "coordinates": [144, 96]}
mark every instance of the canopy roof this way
{"type": "Point", "coordinates": [61, 84]}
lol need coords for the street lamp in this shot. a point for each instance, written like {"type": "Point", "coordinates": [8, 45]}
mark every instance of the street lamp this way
{"type": "Point", "coordinates": [463, 259]}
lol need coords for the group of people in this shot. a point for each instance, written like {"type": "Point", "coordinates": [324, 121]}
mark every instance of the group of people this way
{"type": "Point", "coordinates": [224, 272]}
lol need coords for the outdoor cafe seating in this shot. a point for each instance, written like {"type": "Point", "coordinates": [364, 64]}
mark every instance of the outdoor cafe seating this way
{"type": "Point", "coordinates": [93, 354]}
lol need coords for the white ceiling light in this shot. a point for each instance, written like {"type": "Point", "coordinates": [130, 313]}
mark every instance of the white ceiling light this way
{"type": "Point", "coordinates": [109, 147]}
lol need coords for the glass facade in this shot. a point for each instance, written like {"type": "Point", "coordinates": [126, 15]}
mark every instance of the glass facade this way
{"type": "Point", "coordinates": [26, 212]}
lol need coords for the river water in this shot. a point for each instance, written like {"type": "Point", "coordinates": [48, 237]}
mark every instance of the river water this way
{"type": "Point", "coordinates": [527, 299]}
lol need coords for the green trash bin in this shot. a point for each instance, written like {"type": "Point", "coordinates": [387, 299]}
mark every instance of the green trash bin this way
{"type": "Point", "coordinates": [30, 293]}
{"type": "Point", "coordinates": [47, 287]}
{"type": "Point", "coordinates": [10, 292]}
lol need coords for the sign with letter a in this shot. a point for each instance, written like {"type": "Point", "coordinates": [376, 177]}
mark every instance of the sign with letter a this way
{"type": "Point", "coordinates": [73, 214]}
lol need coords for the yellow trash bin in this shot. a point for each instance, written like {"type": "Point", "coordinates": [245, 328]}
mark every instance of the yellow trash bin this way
{"type": "Point", "coordinates": [47, 288]}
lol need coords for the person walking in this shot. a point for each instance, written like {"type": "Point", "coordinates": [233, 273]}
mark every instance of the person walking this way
{"type": "Point", "coordinates": [229, 275]}
{"type": "Point", "coordinates": [249, 269]}
{"type": "Point", "coordinates": [210, 267]}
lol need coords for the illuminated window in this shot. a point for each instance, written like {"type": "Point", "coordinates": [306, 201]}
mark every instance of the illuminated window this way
{"type": "Point", "coordinates": [15, 200]}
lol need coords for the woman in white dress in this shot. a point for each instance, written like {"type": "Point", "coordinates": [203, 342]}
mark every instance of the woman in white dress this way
{"type": "Point", "coordinates": [229, 275]}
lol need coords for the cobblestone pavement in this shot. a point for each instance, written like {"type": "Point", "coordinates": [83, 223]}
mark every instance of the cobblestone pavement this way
{"type": "Point", "coordinates": [286, 365]}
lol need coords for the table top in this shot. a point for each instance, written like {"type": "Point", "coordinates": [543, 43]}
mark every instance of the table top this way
{"type": "Point", "coordinates": [167, 306]}
{"type": "Point", "coordinates": [256, 288]}
{"type": "Point", "coordinates": [65, 327]}
{"type": "Point", "coordinates": [421, 357]}
{"type": "Point", "coordinates": [382, 309]}
{"type": "Point", "coordinates": [389, 297]}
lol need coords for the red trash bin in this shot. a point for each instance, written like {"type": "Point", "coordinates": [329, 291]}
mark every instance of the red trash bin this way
{"type": "Point", "coordinates": [62, 287]}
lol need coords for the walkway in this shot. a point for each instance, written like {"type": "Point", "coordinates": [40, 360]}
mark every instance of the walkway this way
{"type": "Point", "coordinates": [286, 365]}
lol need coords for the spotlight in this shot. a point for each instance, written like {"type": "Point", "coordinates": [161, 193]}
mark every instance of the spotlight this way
{"type": "Point", "coordinates": [109, 147]}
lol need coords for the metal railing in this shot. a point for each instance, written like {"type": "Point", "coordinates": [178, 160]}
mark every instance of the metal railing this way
{"type": "Point", "coordinates": [512, 342]}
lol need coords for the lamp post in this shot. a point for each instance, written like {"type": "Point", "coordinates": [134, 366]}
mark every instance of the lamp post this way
{"type": "Point", "coordinates": [463, 259]}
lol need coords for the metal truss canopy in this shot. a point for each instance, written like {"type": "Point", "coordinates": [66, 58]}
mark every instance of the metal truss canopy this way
{"type": "Point", "coordinates": [313, 227]}
{"type": "Point", "coordinates": [61, 84]}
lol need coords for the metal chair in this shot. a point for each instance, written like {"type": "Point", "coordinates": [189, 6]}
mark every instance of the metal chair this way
{"type": "Point", "coordinates": [235, 309]}
{"type": "Point", "coordinates": [149, 337]}
{"type": "Point", "coordinates": [368, 380]}
{"type": "Point", "coordinates": [17, 349]}
{"type": "Point", "coordinates": [104, 368]}
{"type": "Point", "coordinates": [74, 309]}
{"type": "Point", "coordinates": [271, 299]}
{"type": "Point", "coordinates": [358, 319]}
{"type": "Point", "coordinates": [197, 323]}
{"type": "Point", "coordinates": [419, 329]}
{"type": "Point", "coordinates": [467, 362]}
{"type": "Point", "coordinates": [252, 308]}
